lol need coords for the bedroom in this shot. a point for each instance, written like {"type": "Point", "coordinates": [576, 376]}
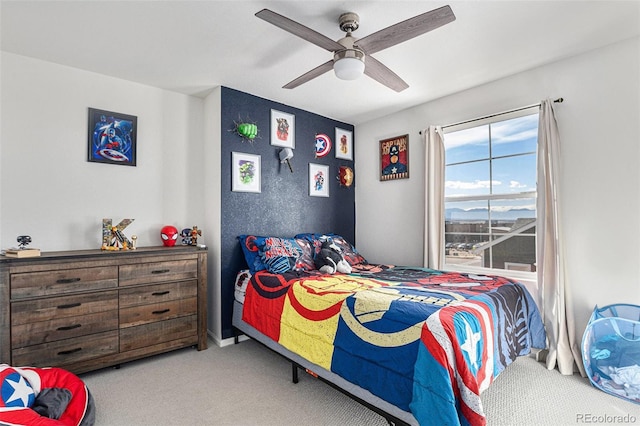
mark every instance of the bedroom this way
{"type": "Point", "coordinates": [44, 106]}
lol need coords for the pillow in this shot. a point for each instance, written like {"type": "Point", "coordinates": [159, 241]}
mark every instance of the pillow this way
{"type": "Point", "coordinates": [298, 256]}
{"type": "Point", "coordinates": [16, 390]}
{"type": "Point", "coordinates": [251, 251]}
{"type": "Point", "coordinates": [281, 255]}
{"type": "Point", "coordinates": [349, 252]}
{"type": "Point", "coordinates": [305, 261]}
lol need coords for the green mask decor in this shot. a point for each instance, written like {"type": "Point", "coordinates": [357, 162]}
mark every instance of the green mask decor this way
{"type": "Point", "coordinates": [247, 131]}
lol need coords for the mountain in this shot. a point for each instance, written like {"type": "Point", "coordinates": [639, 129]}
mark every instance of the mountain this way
{"type": "Point", "coordinates": [476, 214]}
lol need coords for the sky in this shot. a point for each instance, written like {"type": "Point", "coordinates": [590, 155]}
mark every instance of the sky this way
{"type": "Point", "coordinates": [468, 171]}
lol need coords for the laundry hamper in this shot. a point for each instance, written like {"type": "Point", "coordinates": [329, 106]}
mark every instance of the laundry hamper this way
{"type": "Point", "coordinates": [611, 350]}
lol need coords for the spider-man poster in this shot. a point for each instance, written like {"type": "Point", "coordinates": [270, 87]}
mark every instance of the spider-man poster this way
{"type": "Point", "coordinates": [112, 137]}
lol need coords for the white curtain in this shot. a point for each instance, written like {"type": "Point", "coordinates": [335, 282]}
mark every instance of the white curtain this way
{"type": "Point", "coordinates": [434, 197]}
{"type": "Point", "coordinates": [557, 310]}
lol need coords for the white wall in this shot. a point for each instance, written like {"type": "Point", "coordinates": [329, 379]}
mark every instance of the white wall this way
{"type": "Point", "coordinates": [212, 207]}
{"type": "Point", "coordinates": [49, 189]}
{"type": "Point", "coordinates": [600, 133]}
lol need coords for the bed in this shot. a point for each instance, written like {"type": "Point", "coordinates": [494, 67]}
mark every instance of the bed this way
{"type": "Point", "coordinates": [415, 344]}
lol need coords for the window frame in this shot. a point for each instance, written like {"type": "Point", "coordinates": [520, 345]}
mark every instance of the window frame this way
{"type": "Point", "coordinates": [492, 119]}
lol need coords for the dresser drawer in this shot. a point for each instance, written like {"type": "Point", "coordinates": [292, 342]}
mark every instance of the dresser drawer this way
{"type": "Point", "coordinates": [159, 332]}
{"type": "Point", "coordinates": [144, 314]}
{"type": "Point", "coordinates": [156, 293]}
{"type": "Point", "coordinates": [63, 328]}
{"type": "Point", "coordinates": [67, 351]}
{"type": "Point", "coordinates": [47, 309]}
{"type": "Point", "coordinates": [49, 283]}
{"type": "Point", "coordinates": [157, 272]}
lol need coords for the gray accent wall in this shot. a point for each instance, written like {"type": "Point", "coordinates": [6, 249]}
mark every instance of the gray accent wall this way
{"type": "Point", "coordinates": [283, 207]}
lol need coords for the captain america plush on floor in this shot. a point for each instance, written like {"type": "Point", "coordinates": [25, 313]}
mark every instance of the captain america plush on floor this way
{"type": "Point", "coordinates": [44, 397]}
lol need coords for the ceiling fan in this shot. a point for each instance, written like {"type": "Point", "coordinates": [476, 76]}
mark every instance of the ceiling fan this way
{"type": "Point", "coordinates": [351, 56]}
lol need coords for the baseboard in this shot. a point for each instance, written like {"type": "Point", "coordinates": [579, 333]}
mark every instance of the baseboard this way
{"type": "Point", "coordinates": [225, 342]}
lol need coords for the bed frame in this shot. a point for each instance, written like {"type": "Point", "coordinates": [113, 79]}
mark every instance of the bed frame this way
{"type": "Point", "coordinates": [391, 413]}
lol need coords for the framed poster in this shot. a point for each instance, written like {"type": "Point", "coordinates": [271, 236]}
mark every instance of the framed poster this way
{"type": "Point", "coordinates": [283, 129]}
{"type": "Point", "coordinates": [344, 144]}
{"type": "Point", "coordinates": [245, 172]}
{"type": "Point", "coordinates": [318, 180]}
{"type": "Point", "coordinates": [112, 137]}
{"type": "Point", "coordinates": [394, 158]}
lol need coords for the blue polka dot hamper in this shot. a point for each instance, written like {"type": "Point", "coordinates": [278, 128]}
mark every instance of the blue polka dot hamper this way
{"type": "Point", "coordinates": [611, 350]}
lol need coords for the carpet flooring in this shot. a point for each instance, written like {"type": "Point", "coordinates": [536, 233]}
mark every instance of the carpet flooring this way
{"type": "Point", "coordinates": [247, 384]}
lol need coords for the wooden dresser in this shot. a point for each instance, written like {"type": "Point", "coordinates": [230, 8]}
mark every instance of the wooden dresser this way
{"type": "Point", "coordinates": [89, 309]}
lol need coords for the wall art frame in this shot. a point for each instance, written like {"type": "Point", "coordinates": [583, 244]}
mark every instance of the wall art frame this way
{"type": "Point", "coordinates": [112, 137]}
{"type": "Point", "coordinates": [344, 144]}
{"type": "Point", "coordinates": [394, 158]}
{"type": "Point", "coordinates": [283, 129]}
{"type": "Point", "coordinates": [318, 180]}
{"type": "Point", "coordinates": [246, 172]}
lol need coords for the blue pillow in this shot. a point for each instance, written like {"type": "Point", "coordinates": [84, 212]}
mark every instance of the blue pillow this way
{"type": "Point", "coordinates": [251, 251]}
{"type": "Point", "coordinates": [277, 255]}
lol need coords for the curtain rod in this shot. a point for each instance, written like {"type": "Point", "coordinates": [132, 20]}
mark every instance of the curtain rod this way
{"type": "Point", "coordinates": [559, 100]}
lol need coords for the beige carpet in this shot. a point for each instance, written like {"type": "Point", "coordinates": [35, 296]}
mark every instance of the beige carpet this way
{"type": "Point", "coordinates": [246, 384]}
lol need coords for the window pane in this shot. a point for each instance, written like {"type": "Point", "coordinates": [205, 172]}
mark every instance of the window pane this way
{"type": "Point", "coordinates": [514, 136]}
{"type": "Point", "coordinates": [467, 179]}
{"type": "Point", "coordinates": [466, 211]}
{"type": "Point", "coordinates": [467, 145]}
{"type": "Point", "coordinates": [517, 253]}
{"type": "Point", "coordinates": [514, 174]}
{"type": "Point", "coordinates": [513, 210]}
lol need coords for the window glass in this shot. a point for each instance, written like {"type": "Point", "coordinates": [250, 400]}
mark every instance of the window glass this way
{"type": "Point", "coordinates": [515, 136]}
{"type": "Point", "coordinates": [467, 145]}
{"type": "Point", "coordinates": [490, 195]}
{"type": "Point", "coordinates": [465, 179]}
{"type": "Point", "coordinates": [514, 174]}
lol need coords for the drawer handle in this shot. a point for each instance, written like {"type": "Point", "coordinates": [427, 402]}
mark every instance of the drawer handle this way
{"type": "Point", "coordinates": [69, 327]}
{"type": "Point", "coordinates": [160, 271]}
{"type": "Point", "coordinates": [70, 305]}
{"type": "Point", "coordinates": [70, 351]}
{"type": "Point", "coordinates": [160, 293]}
{"type": "Point", "coordinates": [67, 280]}
{"type": "Point", "coordinates": [163, 311]}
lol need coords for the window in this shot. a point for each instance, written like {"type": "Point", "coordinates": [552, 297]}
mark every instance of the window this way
{"type": "Point", "coordinates": [490, 193]}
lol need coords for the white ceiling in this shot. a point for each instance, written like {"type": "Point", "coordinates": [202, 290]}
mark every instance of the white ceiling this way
{"type": "Point", "coordinates": [193, 46]}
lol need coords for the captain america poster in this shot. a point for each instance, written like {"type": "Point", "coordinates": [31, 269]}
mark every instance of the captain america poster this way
{"type": "Point", "coordinates": [112, 137]}
{"type": "Point", "coordinates": [394, 158]}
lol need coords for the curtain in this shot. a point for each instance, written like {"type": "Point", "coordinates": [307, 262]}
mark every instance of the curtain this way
{"type": "Point", "coordinates": [557, 310]}
{"type": "Point", "coordinates": [434, 197]}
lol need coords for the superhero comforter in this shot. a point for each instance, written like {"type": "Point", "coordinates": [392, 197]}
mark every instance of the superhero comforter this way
{"type": "Point", "coordinates": [427, 341]}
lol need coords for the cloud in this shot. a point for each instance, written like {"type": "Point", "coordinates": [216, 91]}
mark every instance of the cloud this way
{"type": "Point", "coordinates": [531, 207]}
{"type": "Point", "coordinates": [514, 184]}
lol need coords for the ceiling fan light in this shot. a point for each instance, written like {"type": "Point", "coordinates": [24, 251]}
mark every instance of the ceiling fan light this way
{"type": "Point", "coordinates": [348, 64]}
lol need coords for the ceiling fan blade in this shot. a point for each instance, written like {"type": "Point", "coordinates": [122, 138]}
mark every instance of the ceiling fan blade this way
{"type": "Point", "coordinates": [316, 72]}
{"type": "Point", "coordinates": [300, 30]}
{"type": "Point", "coordinates": [380, 73]}
{"type": "Point", "coordinates": [406, 30]}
